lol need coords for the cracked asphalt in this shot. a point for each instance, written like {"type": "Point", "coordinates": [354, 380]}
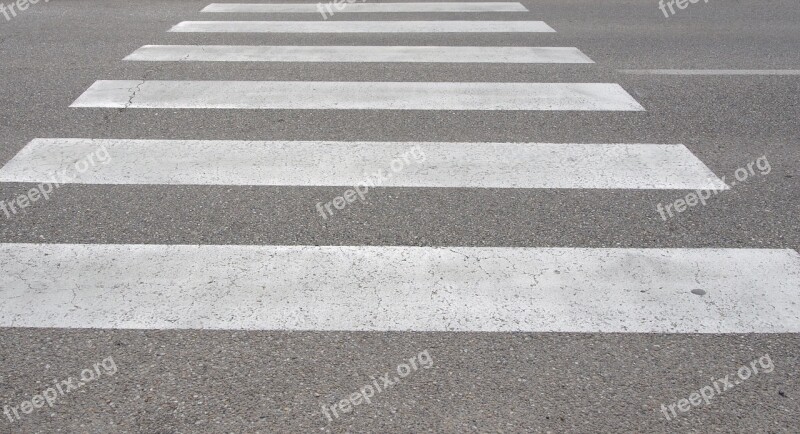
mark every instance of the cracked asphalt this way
{"type": "Point", "coordinates": [171, 381]}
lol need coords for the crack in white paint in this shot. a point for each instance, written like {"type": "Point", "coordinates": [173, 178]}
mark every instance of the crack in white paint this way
{"type": "Point", "coordinates": [312, 163]}
{"type": "Point", "coordinates": [400, 288]}
{"type": "Point", "coordinates": [346, 95]}
{"type": "Point", "coordinates": [367, 7]}
{"type": "Point", "coordinates": [362, 27]}
{"type": "Point", "coordinates": [358, 54]}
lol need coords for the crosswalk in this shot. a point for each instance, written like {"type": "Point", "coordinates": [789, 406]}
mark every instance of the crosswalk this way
{"type": "Point", "coordinates": [369, 288]}
{"type": "Point", "coordinates": [362, 27]}
{"type": "Point", "coordinates": [315, 163]}
{"type": "Point", "coordinates": [391, 288]}
{"type": "Point", "coordinates": [327, 53]}
{"type": "Point", "coordinates": [369, 7]}
{"type": "Point", "coordinates": [325, 95]}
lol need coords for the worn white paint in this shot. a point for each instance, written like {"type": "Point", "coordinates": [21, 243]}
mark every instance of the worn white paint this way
{"type": "Point", "coordinates": [362, 27]}
{"type": "Point", "coordinates": [348, 7]}
{"type": "Point", "coordinates": [326, 53]}
{"type": "Point", "coordinates": [315, 163]}
{"type": "Point", "coordinates": [485, 289]}
{"type": "Point", "coordinates": [356, 95]}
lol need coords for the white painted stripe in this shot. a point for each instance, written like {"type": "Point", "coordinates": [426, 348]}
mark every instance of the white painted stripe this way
{"type": "Point", "coordinates": [362, 26]}
{"type": "Point", "coordinates": [311, 163]}
{"type": "Point", "coordinates": [367, 7]}
{"type": "Point", "coordinates": [712, 71]}
{"type": "Point", "coordinates": [329, 288]}
{"type": "Point", "coordinates": [293, 53]}
{"type": "Point", "coordinates": [356, 95]}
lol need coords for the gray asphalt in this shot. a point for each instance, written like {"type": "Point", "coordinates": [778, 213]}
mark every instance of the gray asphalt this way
{"type": "Point", "coordinates": [202, 381]}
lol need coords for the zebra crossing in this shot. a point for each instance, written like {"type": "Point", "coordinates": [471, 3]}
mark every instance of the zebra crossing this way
{"type": "Point", "coordinates": [362, 27]}
{"type": "Point", "coordinates": [367, 288]}
{"type": "Point", "coordinates": [323, 95]}
{"type": "Point", "coordinates": [474, 288]}
{"type": "Point", "coordinates": [327, 53]}
{"type": "Point", "coordinates": [315, 163]}
{"type": "Point", "coordinates": [369, 7]}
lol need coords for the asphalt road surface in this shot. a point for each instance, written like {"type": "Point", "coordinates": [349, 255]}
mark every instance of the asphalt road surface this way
{"type": "Point", "coordinates": [550, 216]}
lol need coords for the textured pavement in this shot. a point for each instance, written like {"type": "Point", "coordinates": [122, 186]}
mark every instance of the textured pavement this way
{"type": "Point", "coordinates": [171, 381]}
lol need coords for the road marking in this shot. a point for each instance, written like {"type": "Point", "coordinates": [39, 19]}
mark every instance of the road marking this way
{"type": "Point", "coordinates": [368, 7]}
{"type": "Point", "coordinates": [293, 53]}
{"type": "Point", "coordinates": [366, 288]}
{"type": "Point", "coordinates": [313, 163]}
{"type": "Point", "coordinates": [712, 71]}
{"type": "Point", "coordinates": [362, 26]}
{"type": "Point", "coordinates": [356, 95]}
